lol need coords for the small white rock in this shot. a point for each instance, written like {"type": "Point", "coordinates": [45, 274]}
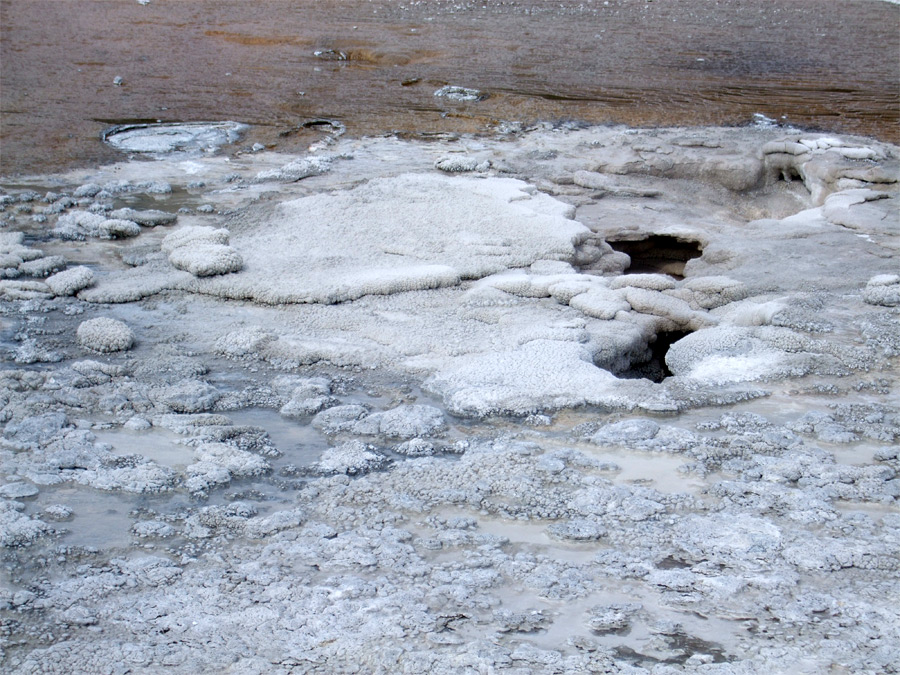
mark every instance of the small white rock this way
{"type": "Point", "coordinates": [104, 335]}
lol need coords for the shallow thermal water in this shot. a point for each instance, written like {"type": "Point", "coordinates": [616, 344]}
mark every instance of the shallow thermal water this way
{"type": "Point", "coordinates": [300, 444]}
{"type": "Point", "coordinates": [158, 445]}
{"type": "Point", "coordinates": [374, 67]}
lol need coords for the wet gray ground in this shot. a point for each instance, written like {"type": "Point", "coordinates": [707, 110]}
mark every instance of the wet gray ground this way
{"type": "Point", "coordinates": [485, 466]}
{"type": "Point", "coordinates": [374, 66]}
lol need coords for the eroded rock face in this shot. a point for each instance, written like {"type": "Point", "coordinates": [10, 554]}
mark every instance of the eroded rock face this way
{"type": "Point", "coordinates": [436, 422]}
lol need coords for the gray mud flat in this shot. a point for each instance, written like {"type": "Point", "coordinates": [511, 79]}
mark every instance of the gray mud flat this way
{"type": "Point", "coordinates": [566, 401]}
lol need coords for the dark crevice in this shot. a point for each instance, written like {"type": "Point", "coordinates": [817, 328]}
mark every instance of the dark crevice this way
{"type": "Point", "coordinates": [658, 254]}
{"type": "Point", "coordinates": [790, 174]}
{"type": "Point", "coordinates": [654, 368]}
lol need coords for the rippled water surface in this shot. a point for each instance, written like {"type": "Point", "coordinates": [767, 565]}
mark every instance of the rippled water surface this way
{"type": "Point", "coordinates": [375, 65]}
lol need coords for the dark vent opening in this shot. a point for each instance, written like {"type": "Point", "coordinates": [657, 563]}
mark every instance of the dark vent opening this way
{"type": "Point", "coordinates": [789, 174]}
{"type": "Point", "coordinates": [654, 368]}
{"type": "Point", "coordinates": [659, 254]}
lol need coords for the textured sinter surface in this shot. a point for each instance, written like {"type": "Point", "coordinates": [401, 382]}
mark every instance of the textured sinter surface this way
{"type": "Point", "coordinates": [595, 400]}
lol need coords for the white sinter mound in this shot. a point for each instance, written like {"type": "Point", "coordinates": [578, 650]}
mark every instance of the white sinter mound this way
{"type": "Point", "coordinates": [104, 335]}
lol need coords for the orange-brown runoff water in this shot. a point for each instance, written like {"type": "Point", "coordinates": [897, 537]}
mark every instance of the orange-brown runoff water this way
{"type": "Point", "coordinates": [375, 65]}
